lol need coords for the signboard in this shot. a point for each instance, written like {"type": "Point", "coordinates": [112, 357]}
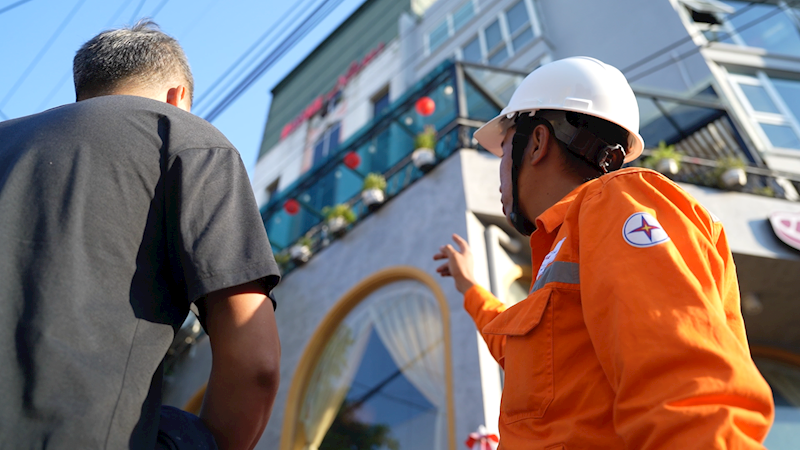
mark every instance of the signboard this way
{"type": "Point", "coordinates": [786, 226]}
{"type": "Point", "coordinates": [319, 102]}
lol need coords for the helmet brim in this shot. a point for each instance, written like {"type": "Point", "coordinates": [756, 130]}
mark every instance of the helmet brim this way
{"type": "Point", "coordinates": [492, 133]}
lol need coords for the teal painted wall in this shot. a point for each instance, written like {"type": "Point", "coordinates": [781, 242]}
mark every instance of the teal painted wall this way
{"type": "Point", "coordinates": [374, 22]}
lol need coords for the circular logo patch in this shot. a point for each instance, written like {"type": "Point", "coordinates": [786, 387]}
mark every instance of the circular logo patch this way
{"type": "Point", "coordinates": [643, 230]}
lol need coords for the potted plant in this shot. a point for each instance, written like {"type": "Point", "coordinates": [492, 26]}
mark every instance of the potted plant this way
{"type": "Point", "coordinates": [665, 159]}
{"type": "Point", "coordinates": [373, 191]}
{"type": "Point", "coordinates": [338, 217]}
{"type": "Point", "coordinates": [424, 155]}
{"type": "Point", "coordinates": [300, 252]}
{"type": "Point", "coordinates": [730, 172]}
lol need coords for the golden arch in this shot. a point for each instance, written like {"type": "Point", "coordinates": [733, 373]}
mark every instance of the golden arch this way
{"type": "Point", "coordinates": [325, 330]}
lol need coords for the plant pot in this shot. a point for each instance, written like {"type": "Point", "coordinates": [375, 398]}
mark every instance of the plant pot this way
{"type": "Point", "coordinates": [667, 166]}
{"type": "Point", "coordinates": [300, 253]}
{"type": "Point", "coordinates": [733, 178]}
{"type": "Point", "coordinates": [423, 159]}
{"type": "Point", "coordinates": [337, 225]}
{"type": "Point", "coordinates": [373, 198]}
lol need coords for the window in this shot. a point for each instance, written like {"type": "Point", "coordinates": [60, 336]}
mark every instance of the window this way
{"type": "Point", "coordinates": [508, 34]}
{"type": "Point", "coordinates": [327, 144]}
{"type": "Point", "coordinates": [774, 105]}
{"type": "Point", "coordinates": [772, 26]}
{"type": "Point", "coordinates": [380, 103]}
{"type": "Point", "coordinates": [450, 25]}
{"type": "Point", "coordinates": [383, 371]}
{"type": "Point", "coordinates": [272, 189]}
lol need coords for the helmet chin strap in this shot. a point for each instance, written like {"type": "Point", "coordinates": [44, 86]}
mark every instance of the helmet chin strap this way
{"type": "Point", "coordinates": [519, 143]}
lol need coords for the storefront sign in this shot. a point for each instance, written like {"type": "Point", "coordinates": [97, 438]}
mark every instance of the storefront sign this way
{"type": "Point", "coordinates": [317, 104]}
{"type": "Point", "coordinates": [786, 226]}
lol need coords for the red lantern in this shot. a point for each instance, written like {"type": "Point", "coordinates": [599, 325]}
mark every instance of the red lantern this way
{"type": "Point", "coordinates": [352, 160]}
{"type": "Point", "coordinates": [291, 206]}
{"type": "Point", "coordinates": [425, 106]}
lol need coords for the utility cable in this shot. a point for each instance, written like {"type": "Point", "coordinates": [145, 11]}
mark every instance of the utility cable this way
{"type": "Point", "coordinates": [698, 48]}
{"type": "Point", "coordinates": [684, 40]}
{"type": "Point", "coordinates": [284, 19]}
{"type": "Point", "coordinates": [300, 32]}
{"type": "Point", "coordinates": [136, 12]}
{"type": "Point", "coordinates": [13, 5]}
{"type": "Point", "coordinates": [41, 53]}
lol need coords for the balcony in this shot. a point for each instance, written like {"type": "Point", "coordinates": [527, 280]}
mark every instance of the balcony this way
{"type": "Point", "coordinates": [465, 96]}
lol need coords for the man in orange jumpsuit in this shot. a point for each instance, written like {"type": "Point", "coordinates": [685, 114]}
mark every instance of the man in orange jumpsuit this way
{"type": "Point", "coordinates": [632, 335]}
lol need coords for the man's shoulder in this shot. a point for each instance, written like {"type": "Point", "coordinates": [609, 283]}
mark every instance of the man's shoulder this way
{"type": "Point", "coordinates": [632, 180]}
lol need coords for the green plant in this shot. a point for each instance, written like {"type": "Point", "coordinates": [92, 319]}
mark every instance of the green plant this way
{"type": "Point", "coordinates": [766, 191]}
{"type": "Point", "coordinates": [282, 258]}
{"type": "Point", "coordinates": [426, 139]}
{"type": "Point", "coordinates": [663, 152]}
{"type": "Point", "coordinates": [341, 210]}
{"type": "Point", "coordinates": [304, 241]}
{"type": "Point", "coordinates": [374, 181]}
{"type": "Point", "coordinates": [731, 162]}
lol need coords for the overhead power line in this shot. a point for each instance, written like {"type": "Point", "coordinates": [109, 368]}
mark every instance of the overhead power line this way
{"type": "Point", "coordinates": [13, 5]}
{"type": "Point", "coordinates": [319, 14]}
{"type": "Point", "coordinates": [41, 53]}
{"type": "Point", "coordinates": [698, 48]}
{"type": "Point", "coordinates": [271, 31]}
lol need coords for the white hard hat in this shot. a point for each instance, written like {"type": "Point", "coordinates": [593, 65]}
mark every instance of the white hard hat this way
{"type": "Point", "coordinates": [578, 84]}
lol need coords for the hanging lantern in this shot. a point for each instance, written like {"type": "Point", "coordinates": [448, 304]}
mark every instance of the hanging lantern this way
{"type": "Point", "coordinates": [352, 160]}
{"type": "Point", "coordinates": [425, 106]}
{"type": "Point", "coordinates": [291, 206]}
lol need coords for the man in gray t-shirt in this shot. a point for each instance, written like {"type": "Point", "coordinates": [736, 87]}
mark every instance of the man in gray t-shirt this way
{"type": "Point", "coordinates": [116, 214]}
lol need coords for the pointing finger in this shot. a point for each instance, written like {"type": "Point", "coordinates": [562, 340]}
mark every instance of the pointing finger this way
{"type": "Point", "coordinates": [462, 244]}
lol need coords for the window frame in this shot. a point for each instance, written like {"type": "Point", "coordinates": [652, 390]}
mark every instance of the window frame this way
{"type": "Point", "coordinates": [785, 116]}
{"type": "Point", "coordinates": [451, 31]}
{"type": "Point", "coordinates": [505, 34]}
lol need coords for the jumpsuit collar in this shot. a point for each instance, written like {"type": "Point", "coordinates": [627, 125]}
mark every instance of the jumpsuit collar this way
{"type": "Point", "coordinates": [553, 216]}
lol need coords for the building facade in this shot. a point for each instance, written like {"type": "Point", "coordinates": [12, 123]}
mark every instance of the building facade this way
{"type": "Point", "coordinates": [376, 350]}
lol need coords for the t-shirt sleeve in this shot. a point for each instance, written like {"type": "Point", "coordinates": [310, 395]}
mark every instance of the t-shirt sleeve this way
{"type": "Point", "coordinates": [215, 233]}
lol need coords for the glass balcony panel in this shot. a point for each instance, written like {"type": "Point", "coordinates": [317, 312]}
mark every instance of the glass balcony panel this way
{"type": "Point", "coordinates": [499, 84]}
{"type": "Point", "coordinates": [759, 99]}
{"type": "Point", "coordinates": [348, 184]}
{"type": "Point", "coordinates": [478, 106]}
{"type": "Point", "coordinates": [789, 91]}
{"type": "Point", "coordinates": [280, 228]}
{"type": "Point", "coordinates": [655, 127]}
{"type": "Point", "coordinates": [690, 118]}
{"type": "Point", "coordinates": [775, 33]}
{"type": "Point", "coordinates": [781, 136]}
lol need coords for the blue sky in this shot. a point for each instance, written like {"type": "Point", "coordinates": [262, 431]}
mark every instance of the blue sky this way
{"type": "Point", "coordinates": [38, 39]}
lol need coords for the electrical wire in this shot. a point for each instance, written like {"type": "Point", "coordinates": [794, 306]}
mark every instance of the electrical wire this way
{"type": "Point", "coordinates": [41, 53]}
{"type": "Point", "coordinates": [13, 5]}
{"type": "Point", "coordinates": [698, 48]}
{"type": "Point", "coordinates": [136, 12]}
{"type": "Point", "coordinates": [284, 19]}
{"type": "Point", "coordinates": [300, 32]}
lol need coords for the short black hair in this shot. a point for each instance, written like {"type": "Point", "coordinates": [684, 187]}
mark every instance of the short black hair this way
{"type": "Point", "coordinates": [141, 54]}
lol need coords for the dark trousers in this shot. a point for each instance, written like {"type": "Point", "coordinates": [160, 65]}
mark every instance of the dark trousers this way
{"type": "Point", "coordinates": [180, 430]}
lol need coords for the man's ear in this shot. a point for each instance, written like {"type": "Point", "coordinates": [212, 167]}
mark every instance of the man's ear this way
{"type": "Point", "coordinates": [539, 144]}
{"type": "Point", "coordinates": [179, 96]}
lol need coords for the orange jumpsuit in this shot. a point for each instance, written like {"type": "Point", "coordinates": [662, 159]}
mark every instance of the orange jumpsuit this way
{"type": "Point", "coordinates": [632, 336]}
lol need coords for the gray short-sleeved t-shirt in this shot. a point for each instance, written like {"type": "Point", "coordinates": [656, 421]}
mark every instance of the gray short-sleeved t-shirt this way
{"type": "Point", "coordinates": [115, 214]}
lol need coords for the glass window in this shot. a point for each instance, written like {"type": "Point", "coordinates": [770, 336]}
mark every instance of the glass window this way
{"type": "Point", "coordinates": [463, 15]}
{"type": "Point", "coordinates": [498, 57]}
{"type": "Point", "coordinates": [517, 17]}
{"type": "Point", "coordinates": [472, 51]}
{"type": "Point", "coordinates": [769, 30]}
{"type": "Point", "coordinates": [759, 99]}
{"type": "Point", "coordinates": [380, 104]}
{"type": "Point", "coordinates": [789, 90]}
{"type": "Point", "coordinates": [494, 37]}
{"type": "Point", "coordinates": [524, 38]}
{"type": "Point", "coordinates": [438, 36]}
{"type": "Point", "coordinates": [383, 371]}
{"type": "Point", "coordinates": [781, 136]}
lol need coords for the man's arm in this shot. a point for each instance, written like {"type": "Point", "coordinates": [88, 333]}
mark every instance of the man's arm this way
{"type": "Point", "coordinates": [479, 303]}
{"type": "Point", "coordinates": [245, 367]}
{"type": "Point", "coordinates": [655, 307]}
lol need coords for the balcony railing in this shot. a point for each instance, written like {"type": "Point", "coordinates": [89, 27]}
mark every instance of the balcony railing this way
{"type": "Point", "coordinates": [465, 96]}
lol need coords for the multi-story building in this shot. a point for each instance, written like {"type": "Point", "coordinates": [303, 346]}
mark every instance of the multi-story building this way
{"type": "Point", "coordinates": [375, 347]}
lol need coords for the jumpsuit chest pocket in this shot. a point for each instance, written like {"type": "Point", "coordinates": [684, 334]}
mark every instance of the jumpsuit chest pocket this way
{"type": "Point", "coordinates": [528, 364]}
